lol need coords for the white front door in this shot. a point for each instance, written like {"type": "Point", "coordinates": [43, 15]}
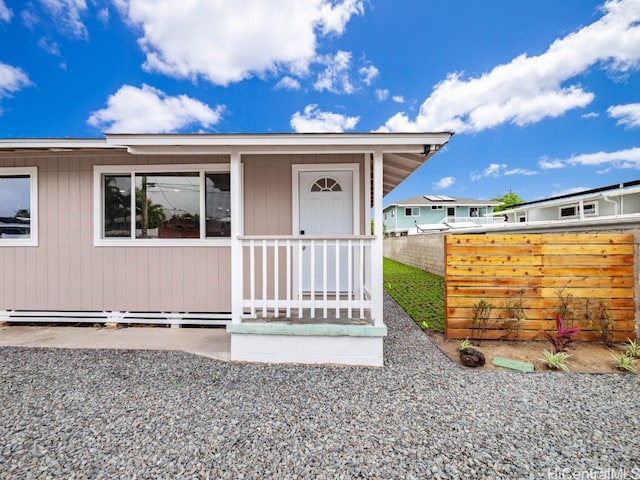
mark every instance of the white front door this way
{"type": "Point", "coordinates": [325, 208]}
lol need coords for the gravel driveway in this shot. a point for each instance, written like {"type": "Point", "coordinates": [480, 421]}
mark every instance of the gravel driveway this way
{"type": "Point", "coordinates": [140, 414]}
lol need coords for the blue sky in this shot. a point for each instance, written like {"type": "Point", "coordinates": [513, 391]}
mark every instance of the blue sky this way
{"type": "Point", "coordinates": [543, 96]}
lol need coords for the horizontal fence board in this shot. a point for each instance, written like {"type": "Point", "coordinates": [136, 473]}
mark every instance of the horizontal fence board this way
{"type": "Point", "coordinates": [576, 249]}
{"type": "Point", "coordinates": [599, 281]}
{"type": "Point", "coordinates": [459, 260]}
{"type": "Point", "coordinates": [537, 269]}
{"type": "Point", "coordinates": [588, 260]}
{"type": "Point", "coordinates": [497, 239]}
{"type": "Point", "coordinates": [581, 271]}
{"type": "Point", "coordinates": [592, 238]}
{"type": "Point", "coordinates": [494, 271]}
{"type": "Point", "coordinates": [590, 292]}
{"type": "Point", "coordinates": [500, 250]}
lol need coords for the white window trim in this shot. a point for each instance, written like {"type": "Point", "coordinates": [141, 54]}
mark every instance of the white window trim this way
{"type": "Point", "coordinates": [32, 241]}
{"type": "Point", "coordinates": [579, 210]}
{"type": "Point", "coordinates": [296, 168]}
{"type": "Point", "coordinates": [100, 170]}
{"type": "Point", "coordinates": [412, 215]}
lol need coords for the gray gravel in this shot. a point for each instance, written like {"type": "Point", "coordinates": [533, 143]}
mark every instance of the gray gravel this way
{"type": "Point", "coordinates": [138, 414]}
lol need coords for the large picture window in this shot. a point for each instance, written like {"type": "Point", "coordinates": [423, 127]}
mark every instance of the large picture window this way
{"type": "Point", "coordinates": [18, 206]}
{"type": "Point", "coordinates": [150, 205]}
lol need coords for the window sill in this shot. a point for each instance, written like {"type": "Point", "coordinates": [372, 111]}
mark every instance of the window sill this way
{"type": "Point", "coordinates": [166, 242]}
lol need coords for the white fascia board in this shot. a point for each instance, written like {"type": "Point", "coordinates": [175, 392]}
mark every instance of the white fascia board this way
{"type": "Point", "coordinates": [53, 144]}
{"type": "Point", "coordinates": [274, 143]}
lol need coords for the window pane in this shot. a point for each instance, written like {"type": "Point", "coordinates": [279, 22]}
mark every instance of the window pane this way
{"type": "Point", "coordinates": [218, 207]}
{"type": "Point", "coordinates": [117, 206]}
{"type": "Point", "coordinates": [15, 206]}
{"type": "Point", "coordinates": [168, 205]}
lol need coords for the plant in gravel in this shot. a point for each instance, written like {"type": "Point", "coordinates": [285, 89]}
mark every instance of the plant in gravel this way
{"type": "Point", "coordinates": [563, 337]}
{"type": "Point", "coordinates": [464, 344]}
{"type": "Point", "coordinates": [556, 361]}
{"type": "Point", "coordinates": [481, 316]}
{"type": "Point", "coordinates": [602, 323]}
{"type": "Point", "coordinates": [624, 362]}
{"type": "Point", "coordinates": [632, 348]}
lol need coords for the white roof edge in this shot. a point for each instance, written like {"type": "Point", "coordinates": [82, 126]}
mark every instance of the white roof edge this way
{"type": "Point", "coordinates": [53, 143]}
{"type": "Point", "coordinates": [574, 199]}
{"type": "Point", "coordinates": [375, 139]}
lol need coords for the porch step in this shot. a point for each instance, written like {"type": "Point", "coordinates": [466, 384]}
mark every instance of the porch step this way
{"type": "Point", "coordinates": [314, 329]}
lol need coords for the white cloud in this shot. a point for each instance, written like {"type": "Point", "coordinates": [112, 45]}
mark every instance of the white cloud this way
{"type": "Point", "coordinates": [103, 16]}
{"type": "Point", "coordinates": [627, 115]}
{"type": "Point", "coordinates": [313, 120]}
{"type": "Point", "coordinates": [5, 12]}
{"type": "Point", "coordinates": [225, 42]}
{"type": "Point", "coordinates": [335, 77]}
{"type": "Point", "coordinates": [67, 15]}
{"type": "Point", "coordinates": [368, 74]}
{"type": "Point", "coordinates": [546, 163]}
{"type": "Point", "coordinates": [398, 98]}
{"type": "Point", "coordinates": [590, 115]}
{"type": "Point", "coordinates": [529, 89]}
{"type": "Point", "coordinates": [493, 170]}
{"type": "Point", "coordinates": [288, 83]}
{"type": "Point", "coordinates": [49, 46]}
{"type": "Point", "coordinates": [149, 110]}
{"type": "Point", "coordinates": [12, 79]}
{"type": "Point", "coordinates": [521, 171]}
{"type": "Point", "coordinates": [444, 182]}
{"type": "Point", "coordinates": [628, 158]}
{"type": "Point", "coordinates": [382, 94]}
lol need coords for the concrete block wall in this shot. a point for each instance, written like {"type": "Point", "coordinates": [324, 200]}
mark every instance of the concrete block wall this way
{"type": "Point", "coordinates": [425, 251]}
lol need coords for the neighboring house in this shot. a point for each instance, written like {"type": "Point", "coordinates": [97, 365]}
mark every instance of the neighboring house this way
{"type": "Point", "coordinates": [431, 213]}
{"type": "Point", "coordinates": [599, 204]}
{"type": "Point", "coordinates": [268, 234]}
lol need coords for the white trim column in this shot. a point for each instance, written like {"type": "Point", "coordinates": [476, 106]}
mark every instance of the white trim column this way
{"type": "Point", "coordinates": [237, 229]}
{"type": "Point", "coordinates": [376, 260]}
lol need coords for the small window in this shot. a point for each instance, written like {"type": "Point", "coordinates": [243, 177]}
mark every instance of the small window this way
{"type": "Point", "coordinates": [521, 217]}
{"type": "Point", "coordinates": [393, 213]}
{"type": "Point", "coordinates": [590, 209]}
{"type": "Point", "coordinates": [474, 212]}
{"type": "Point", "coordinates": [412, 212]}
{"type": "Point", "coordinates": [451, 211]}
{"type": "Point", "coordinates": [161, 205]}
{"type": "Point", "coordinates": [18, 206]}
{"type": "Point", "coordinates": [437, 207]}
{"type": "Point", "coordinates": [326, 184]}
{"type": "Point", "coordinates": [569, 211]}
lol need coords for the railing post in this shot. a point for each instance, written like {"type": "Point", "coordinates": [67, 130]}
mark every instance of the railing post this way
{"type": "Point", "coordinates": [377, 291]}
{"type": "Point", "coordinates": [237, 281]}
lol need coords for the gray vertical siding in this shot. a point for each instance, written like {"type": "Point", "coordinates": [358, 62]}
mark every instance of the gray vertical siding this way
{"type": "Point", "coordinates": [67, 272]}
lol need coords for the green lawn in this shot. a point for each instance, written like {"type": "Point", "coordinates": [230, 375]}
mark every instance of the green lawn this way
{"type": "Point", "coordinates": [419, 293]}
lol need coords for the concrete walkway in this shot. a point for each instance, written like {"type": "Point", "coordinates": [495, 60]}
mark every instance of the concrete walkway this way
{"type": "Point", "coordinates": [207, 342]}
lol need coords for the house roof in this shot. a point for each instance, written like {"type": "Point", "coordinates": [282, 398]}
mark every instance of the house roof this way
{"type": "Point", "coordinates": [444, 200]}
{"type": "Point", "coordinates": [402, 153]}
{"type": "Point", "coordinates": [615, 189]}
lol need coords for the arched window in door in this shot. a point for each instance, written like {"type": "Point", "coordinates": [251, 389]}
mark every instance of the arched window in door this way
{"type": "Point", "coordinates": [326, 184]}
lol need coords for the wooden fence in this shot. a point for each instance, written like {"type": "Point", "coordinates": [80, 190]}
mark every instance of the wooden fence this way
{"type": "Point", "coordinates": [539, 270]}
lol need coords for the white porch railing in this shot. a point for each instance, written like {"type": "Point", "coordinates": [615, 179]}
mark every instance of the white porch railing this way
{"type": "Point", "coordinates": [316, 277]}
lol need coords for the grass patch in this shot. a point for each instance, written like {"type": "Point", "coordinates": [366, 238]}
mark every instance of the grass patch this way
{"type": "Point", "coordinates": [419, 293]}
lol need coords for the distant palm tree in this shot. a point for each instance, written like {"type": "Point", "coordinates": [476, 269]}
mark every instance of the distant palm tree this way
{"type": "Point", "coordinates": [150, 215]}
